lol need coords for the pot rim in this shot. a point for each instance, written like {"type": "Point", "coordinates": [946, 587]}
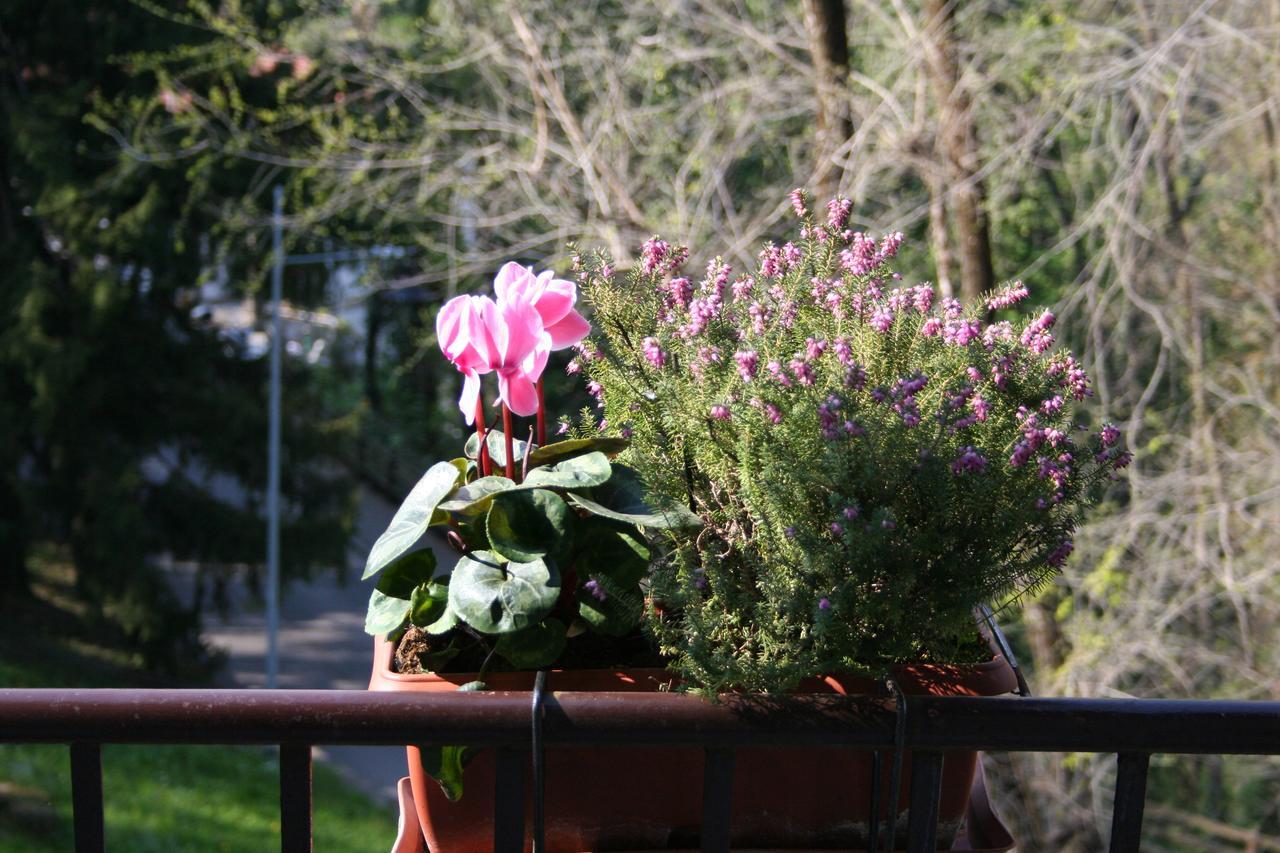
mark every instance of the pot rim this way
{"type": "Point", "coordinates": [988, 678]}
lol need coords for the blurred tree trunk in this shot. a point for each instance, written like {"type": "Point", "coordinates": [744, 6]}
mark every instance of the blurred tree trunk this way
{"type": "Point", "coordinates": [829, 46]}
{"type": "Point", "coordinates": [373, 325]}
{"type": "Point", "coordinates": [958, 148]}
{"type": "Point", "coordinates": [15, 580]}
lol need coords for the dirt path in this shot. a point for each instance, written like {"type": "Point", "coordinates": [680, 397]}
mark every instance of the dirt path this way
{"type": "Point", "coordinates": [322, 645]}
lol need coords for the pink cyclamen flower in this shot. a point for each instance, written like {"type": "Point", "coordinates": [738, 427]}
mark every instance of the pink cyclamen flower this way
{"type": "Point", "coordinates": [553, 298]}
{"type": "Point", "coordinates": [509, 338]}
{"type": "Point", "coordinates": [465, 329]}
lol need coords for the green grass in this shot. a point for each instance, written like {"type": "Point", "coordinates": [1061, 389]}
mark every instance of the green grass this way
{"type": "Point", "coordinates": [156, 798]}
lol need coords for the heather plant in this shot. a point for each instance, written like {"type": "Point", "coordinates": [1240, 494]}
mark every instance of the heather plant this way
{"type": "Point", "coordinates": [870, 462]}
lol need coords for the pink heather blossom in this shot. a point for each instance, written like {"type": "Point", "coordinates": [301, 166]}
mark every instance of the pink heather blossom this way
{"type": "Point", "coordinates": [922, 298]}
{"type": "Point", "coordinates": [850, 512]}
{"type": "Point", "coordinates": [889, 246]}
{"type": "Point", "coordinates": [1109, 435]}
{"type": "Point", "coordinates": [981, 408]}
{"type": "Point", "coordinates": [653, 352]}
{"type": "Point", "coordinates": [951, 308]}
{"type": "Point", "coordinates": [854, 429]}
{"type": "Point", "coordinates": [653, 253]}
{"type": "Point", "coordinates": [772, 262]}
{"type": "Point", "coordinates": [742, 287]}
{"type": "Point", "coordinates": [931, 327]}
{"type": "Point", "coordinates": [1059, 554]}
{"type": "Point", "coordinates": [717, 278]}
{"type": "Point", "coordinates": [679, 292]}
{"type": "Point", "coordinates": [970, 461]}
{"type": "Point", "coordinates": [778, 374]}
{"type": "Point", "coordinates": [573, 367]}
{"type": "Point", "coordinates": [1021, 454]}
{"type": "Point", "coordinates": [1036, 336]}
{"type": "Point", "coordinates": [834, 301]}
{"type": "Point", "coordinates": [836, 528]}
{"type": "Point", "coordinates": [814, 348]}
{"type": "Point", "coordinates": [838, 210]}
{"type": "Point", "coordinates": [960, 332]}
{"type": "Point", "coordinates": [597, 592]}
{"type": "Point", "coordinates": [773, 413]}
{"type": "Point", "coordinates": [1123, 460]}
{"type": "Point", "coordinates": [1002, 331]}
{"type": "Point", "coordinates": [747, 361]}
{"type": "Point", "coordinates": [787, 313]}
{"type": "Point", "coordinates": [974, 374]}
{"type": "Point", "coordinates": [1053, 405]}
{"type": "Point", "coordinates": [882, 319]}
{"type": "Point", "coordinates": [844, 353]}
{"type": "Point", "coordinates": [803, 371]}
{"type": "Point", "coordinates": [855, 377]}
{"type": "Point", "coordinates": [899, 300]}
{"type": "Point", "coordinates": [792, 254]}
{"type": "Point", "coordinates": [798, 199]}
{"type": "Point", "coordinates": [720, 413]}
{"type": "Point", "coordinates": [760, 316]}
{"type": "Point", "coordinates": [1008, 296]}
{"type": "Point", "coordinates": [563, 428]}
{"type": "Point", "coordinates": [824, 603]}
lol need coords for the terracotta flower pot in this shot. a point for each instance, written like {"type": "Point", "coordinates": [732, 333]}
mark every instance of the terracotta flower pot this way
{"type": "Point", "coordinates": [630, 798]}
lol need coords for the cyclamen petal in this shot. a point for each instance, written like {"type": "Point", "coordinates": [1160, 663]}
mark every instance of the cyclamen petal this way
{"type": "Point", "coordinates": [518, 391]}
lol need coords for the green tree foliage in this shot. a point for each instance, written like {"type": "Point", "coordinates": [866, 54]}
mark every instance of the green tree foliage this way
{"type": "Point", "coordinates": [129, 430]}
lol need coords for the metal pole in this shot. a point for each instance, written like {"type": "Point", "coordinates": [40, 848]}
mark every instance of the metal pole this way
{"type": "Point", "coordinates": [273, 444]}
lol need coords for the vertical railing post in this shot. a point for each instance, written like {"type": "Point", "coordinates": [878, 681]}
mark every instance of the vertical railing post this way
{"type": "Point", "coordinates": [295, 799]}
{"type": "Point", "coordinates": [1131, 797]}
{"type": "Point", "coordinates": [717, 800]}
{"type": "Point", "coordinates": [926, 788]}
{"type": "Point", "coordinates": [86, 797]}
{"type": "Point", "coordinates": [508, 818]}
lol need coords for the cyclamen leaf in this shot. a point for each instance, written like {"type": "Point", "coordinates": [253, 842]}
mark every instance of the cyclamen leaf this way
{"type": "Point", "coordinates": [476, 496]}
{"type": "Point", "coordinates": [386, 613]}
{"type": "Point", "coordinates": [569, 448]}
{"type": "Point", "coordinates": [622, 499]}
{"type": "Point", "coordinates": [534, 647]}
{"type": "Point", "coordinates": [529, 524]}
{"type": "Point", "coordinates": [497, 444]}
{"type": "Point", "coordinates": [413, 517]}
{"type": "Point", "coordinates": [428, 603]}
{"type": "Point", "coordinates": [580, 472]}
{"type": "Point", "coordinates": [498, 598]}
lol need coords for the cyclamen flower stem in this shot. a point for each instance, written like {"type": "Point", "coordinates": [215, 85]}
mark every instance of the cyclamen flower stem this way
{"type": "Point", "coordinates": [506, 434]}
{"type": "Point", "coordinates": [542, 415]}
{"type": "Point", "coordinates": [482, 457]}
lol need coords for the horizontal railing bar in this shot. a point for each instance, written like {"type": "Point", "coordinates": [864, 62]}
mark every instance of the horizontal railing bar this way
{"type": "Point", "coordinates": [356, 717]}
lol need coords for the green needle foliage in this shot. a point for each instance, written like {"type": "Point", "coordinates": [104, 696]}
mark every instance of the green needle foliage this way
{"type": "Point", "coordinates": [869, 465]}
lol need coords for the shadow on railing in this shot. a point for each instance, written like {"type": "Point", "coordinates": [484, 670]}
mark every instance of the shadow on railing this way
{"type": "Point", "coordinates": [296, 719]}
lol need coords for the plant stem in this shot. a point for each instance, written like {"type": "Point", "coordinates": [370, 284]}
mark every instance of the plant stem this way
{"type": "Point", "coordinates": [542, 415]}
{"type": "Point", "coordinates": [482, 455]}
{"type": "Point", "coordinates": [506, 434]}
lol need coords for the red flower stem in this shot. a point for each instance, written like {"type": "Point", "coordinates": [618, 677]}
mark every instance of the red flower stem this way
{"type": "Point", "coordinates": [482, 457]}
{"type": "Point", "coordinates": [506, 434]}
{"type": "Point", "coordinates": [542, 415]}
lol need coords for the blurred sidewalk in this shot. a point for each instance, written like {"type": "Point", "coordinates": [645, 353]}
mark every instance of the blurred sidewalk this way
{"type": "Point", "coordinates": [322, 645]}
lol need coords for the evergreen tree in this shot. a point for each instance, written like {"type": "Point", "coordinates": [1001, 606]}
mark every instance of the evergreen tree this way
{"type": "Point", "coordinates": [129, 430]}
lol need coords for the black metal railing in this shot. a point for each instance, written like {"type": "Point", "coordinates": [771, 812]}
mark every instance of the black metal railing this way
{"type": "Point", "coordinates": [296, 719]}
